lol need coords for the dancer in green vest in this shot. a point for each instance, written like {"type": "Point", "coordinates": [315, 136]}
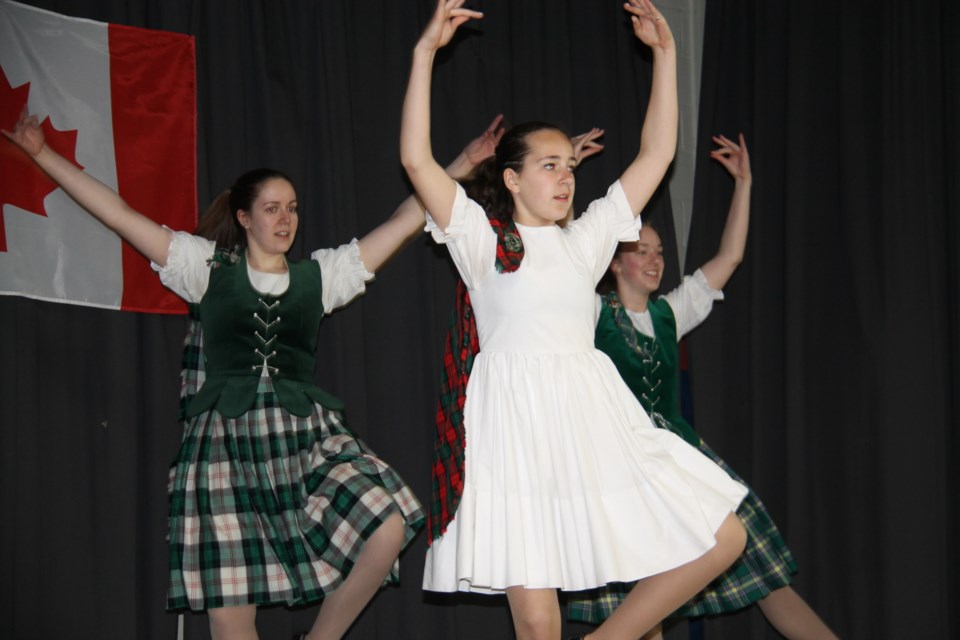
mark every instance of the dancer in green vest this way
{"type": "Point", "coordinates": [640, 334]}
{"type": "Point", "coordinates": [192, 367]}
{"type": "Point", "coordinates": [273, 499]}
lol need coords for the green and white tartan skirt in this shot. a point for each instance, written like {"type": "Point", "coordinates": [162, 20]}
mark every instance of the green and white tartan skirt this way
{"type": "Point", "coordinates": [765, 566]}
{"type": "Point", "coordinates": [271, 508]}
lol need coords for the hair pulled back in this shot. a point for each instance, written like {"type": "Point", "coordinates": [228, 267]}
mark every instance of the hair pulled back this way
{"type": "Point", "coordinates": [219, 222]}
{"type": "Point", "coordinates": [485, 183]}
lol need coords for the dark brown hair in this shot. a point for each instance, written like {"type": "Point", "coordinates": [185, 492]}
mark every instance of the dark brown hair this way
{"type": "Point", "coordinates": [219, 221]}
{"type": "Point", "coordinates": [485, 183]}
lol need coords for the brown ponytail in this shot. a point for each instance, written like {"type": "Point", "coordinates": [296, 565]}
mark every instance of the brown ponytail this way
{"type": "Point", "coordinates": [217, 223]}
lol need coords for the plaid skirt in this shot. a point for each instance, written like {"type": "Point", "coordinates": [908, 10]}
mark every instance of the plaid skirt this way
{"type": "Point", "coordinates": [271, 508]}
{"type": "Point", "coordinates": [765, 566]}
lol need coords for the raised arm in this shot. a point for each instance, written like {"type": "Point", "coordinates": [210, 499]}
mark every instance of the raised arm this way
{"type": "Point", "coordinates": [658, 138]}
{"type": "Point", "coordinates": [103, 203]}
{"type": "Point", "coordinates": [435, 188]}
{"type": "Point", "coordinates": [736, 160]}
{"type": "Point", "coordinates": [383, 242]}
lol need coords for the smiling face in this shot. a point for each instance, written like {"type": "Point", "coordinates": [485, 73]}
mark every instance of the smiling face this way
{"type": "Point", "coordinates": [639, 265]}
{"type": "Point", "coordinates": [271, 221]}
{"type": "Point", "coordinates": [543, 186]}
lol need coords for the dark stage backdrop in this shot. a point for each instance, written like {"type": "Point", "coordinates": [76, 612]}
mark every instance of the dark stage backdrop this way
{"type": "Point", "coordinates": [829, 378]}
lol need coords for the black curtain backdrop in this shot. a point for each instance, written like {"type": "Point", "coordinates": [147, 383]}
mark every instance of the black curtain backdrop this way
{"type": "Point", "coordinates": [829, 378]}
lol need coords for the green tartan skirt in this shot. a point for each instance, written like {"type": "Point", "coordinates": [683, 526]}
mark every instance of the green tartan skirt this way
{"type": "Point", "coordinates": [765, 566]}
{"type": "Point", "coordinates": [271, 508]}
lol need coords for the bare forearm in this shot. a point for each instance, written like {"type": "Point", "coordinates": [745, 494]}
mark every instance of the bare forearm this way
{"type": "Point", "coordinates": [659, 134]}
{"type": "Point", "coordinates": [405, 224]}
{"type": "Point", "coordinates": [106, 205]}
{"type": "Point", "coordinates": [416, 151]}
{"type": "Point", "coordinates": [460, 167]}
{"type": "Point", "coordinates": [434, 187]}
{"type": "Point", "coordinates": [91, 194]}
{"type": "Point", "coordinates": [733, 241]}
{"type": "Point", "coordinates": [381, 244]}
{"type": "Point", "coordinates": [658, 138]}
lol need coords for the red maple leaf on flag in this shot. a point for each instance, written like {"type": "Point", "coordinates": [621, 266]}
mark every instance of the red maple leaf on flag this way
{"type": "Point", "coordinates": [22, 183]}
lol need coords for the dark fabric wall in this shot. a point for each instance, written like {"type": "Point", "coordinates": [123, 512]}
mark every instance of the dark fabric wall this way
{"type": "Point", "coordinates": [828, 379]}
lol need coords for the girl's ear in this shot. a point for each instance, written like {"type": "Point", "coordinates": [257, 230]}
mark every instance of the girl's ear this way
{"type": "Point", "coordinates": [512, 180]}
{"type": "Point", "coordinates": [243, 218]}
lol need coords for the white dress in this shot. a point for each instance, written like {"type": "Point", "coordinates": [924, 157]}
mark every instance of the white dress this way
{"type": "Point", "coordinates": [568, 484]}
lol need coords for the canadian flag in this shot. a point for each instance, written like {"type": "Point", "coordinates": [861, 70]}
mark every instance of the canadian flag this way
{"type": "Point", "coordinates": [120, 102]}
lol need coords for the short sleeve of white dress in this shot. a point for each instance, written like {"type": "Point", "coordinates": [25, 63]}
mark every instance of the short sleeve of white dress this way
{"type": "Point", "coordinates": [593, 237]}
{"type": "Point", "coordinates": [470, 239]}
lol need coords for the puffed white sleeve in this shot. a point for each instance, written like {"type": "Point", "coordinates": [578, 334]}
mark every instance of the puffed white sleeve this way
{"type": "Point", "coordinates": [187, 271]}
{"type": "Point", "coordinates": [344, 275]}
{"type": "Point", "coordinates": [692, 302]}
{"type": "Point", "coordinates": [606, 222]}
{"type": "Point", "coordinates": [471, 240]}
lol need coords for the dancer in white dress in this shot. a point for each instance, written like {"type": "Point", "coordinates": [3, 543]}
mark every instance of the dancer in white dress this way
{"type": "Point", "coordinates": [568, 484]}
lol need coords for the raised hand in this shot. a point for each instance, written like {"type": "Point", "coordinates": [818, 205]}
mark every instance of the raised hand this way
{"type": "Point", "coordinates": [27, 133]}
{"type": "Point", "coordinates": [734, 157]}
{"type": "Point", "coordinates": [584, 145]}
{"type": "Point", "coordinates": [648, 24]}
{"type": "Point", "coordinates": [484, 145]}
{"type": "Point", "coordinates": [447, 18]}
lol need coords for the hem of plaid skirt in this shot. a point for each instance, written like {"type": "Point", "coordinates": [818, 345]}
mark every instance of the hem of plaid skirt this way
{"type": "Point", "coordinates": [181, 604]}
{"type": "Point", "coordinates": [697, 610]}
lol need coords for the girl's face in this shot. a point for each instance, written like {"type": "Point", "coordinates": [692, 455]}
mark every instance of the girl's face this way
{"type": "Point", "coordinates": [639, 265]}
{"type": "Point", "coordinates": [271, 223]}
{"type": "Point", "coordinates": [543, 188]}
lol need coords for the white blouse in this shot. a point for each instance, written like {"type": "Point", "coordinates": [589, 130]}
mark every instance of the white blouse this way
{"type": "Point", "coordinates": [691, 302]}
{"type": "Point", "coordinates": [187, 272]}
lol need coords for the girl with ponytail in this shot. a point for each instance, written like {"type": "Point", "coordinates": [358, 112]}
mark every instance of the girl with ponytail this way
{"type": "Point", "coordinates": [561, 481]}
{"type": "Point", "coordinates": [258, 514]}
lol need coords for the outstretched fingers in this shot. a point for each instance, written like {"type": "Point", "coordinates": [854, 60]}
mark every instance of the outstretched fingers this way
{"type": "Point", "coordinates": [495, 131]}
{"type": "Point", "coordinates": [26, 132]}
{"type": "Point", "coordinates": [485, 145]}
{"type": "Point", "coordinates": [585, 144]}
{"type": "Point", "coordinates": [732, 155]}
{"type": "Point", "coordinates": [649, 24]}
{"type": "Point", "coordinates": [447, 18]}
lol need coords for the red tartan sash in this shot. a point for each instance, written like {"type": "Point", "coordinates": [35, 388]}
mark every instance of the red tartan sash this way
{"type": "Point", "coordinates": [461, 346]}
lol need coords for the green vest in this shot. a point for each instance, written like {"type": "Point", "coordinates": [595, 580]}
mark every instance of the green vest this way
{"type": "Point", "coordinates": [649, 366]}
{"type": "Point", "coordinates": [246, 332]}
